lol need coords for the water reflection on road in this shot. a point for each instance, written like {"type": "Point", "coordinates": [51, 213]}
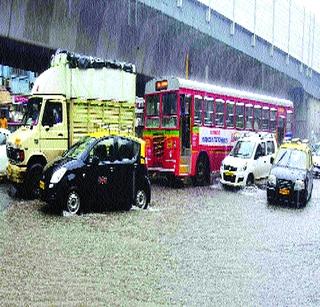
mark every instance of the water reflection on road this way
{"type": "Point", "coordinates": [238, 250]}
{"type": "Point", "coordinates": [194, 246]}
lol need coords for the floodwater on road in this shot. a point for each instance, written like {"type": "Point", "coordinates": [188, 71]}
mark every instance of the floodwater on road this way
{"type": "Point", "coordinates": [193, 246]}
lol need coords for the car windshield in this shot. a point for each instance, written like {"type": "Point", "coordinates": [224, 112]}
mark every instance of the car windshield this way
{"type": "Point", "coordinates": [243, 149]}
{"type": "Point", "coordinates": [292, 158]}
{"type": "Point", "coordinates": [30, 118]}
{"type": "Point", "coordinates": [3, 139]}
{"type": "Point", "coordinates": [78, 148]}
{"type": "Point", "coordinates": [317, 152]}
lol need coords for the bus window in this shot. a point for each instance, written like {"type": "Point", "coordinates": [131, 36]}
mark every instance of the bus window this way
{"type": "Point", "coordinates": [265, 118]}
{"type": "Point", "coordinates": [230, 114]}
{"type": "Point", "coordinates": [249, 116]}
{"type": "Point", "coordinates": [152, 111]}
{"type": "Point", "coordinates": [208, 111]}
{"type": "Point", "coordinates": [257, 118]}
{"type": "Point", "coordinates": [169, 110]}
{"type": "Point", "coordinates": [219, 113]}
{"type": "Point", "coordinates": [240, 115]}
{"type": "Point", "coordinates": [273, 118]}
{"type": "Point", "coordinates": [197, 110]}
{"type": "Point", "coordinates": [289, 121]}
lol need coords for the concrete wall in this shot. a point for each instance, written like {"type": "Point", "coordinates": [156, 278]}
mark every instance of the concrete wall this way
{"type": "Point", "coordinates": [131, 31]}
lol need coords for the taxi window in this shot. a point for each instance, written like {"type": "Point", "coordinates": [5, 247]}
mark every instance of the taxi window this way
{"type": "Point", "coordinates": [104, 150]}
{"type": "Point", "coordinates": [128, 150]}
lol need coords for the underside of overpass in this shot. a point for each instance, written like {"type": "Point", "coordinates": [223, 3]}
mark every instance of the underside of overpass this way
{"type": "Point", "coordinates": [130, 30]}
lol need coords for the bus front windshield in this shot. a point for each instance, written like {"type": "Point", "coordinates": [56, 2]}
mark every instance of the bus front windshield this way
{"type": "Point", "coordinates": [291, 158]}
{"type": "Point", "coordinates": [153, 111]}
{"type": "Point", "coordinates": [169, 110]}
{"type": "Point", "coordinates": [31, 116]}
{"type": "Point", "coordinates": [168, 118]}
{"type": "Point", "coordinates": [243, 149]}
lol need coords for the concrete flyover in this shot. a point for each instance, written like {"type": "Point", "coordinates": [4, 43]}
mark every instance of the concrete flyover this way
{"type": "Point", "coordinates": [157, 36]}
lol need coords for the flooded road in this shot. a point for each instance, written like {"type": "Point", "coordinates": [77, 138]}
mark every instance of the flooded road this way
{"type": "Point", "coordinates": [193, 246]}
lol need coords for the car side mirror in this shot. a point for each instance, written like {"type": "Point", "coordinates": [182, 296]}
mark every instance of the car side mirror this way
{"type": "Point", "coordinates": [271, 160]}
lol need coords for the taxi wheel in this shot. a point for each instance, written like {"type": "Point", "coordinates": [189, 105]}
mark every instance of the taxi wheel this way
{"type": "Point", "coordinates": [250, 179]}
{"type": "Point", "coordinates": [141, 200]}
{"type": "Point", "coordinates": [73, 202]}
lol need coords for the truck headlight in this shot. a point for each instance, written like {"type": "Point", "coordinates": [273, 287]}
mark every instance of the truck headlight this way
{"type": "Point", "coordinates": [299, 185]}
{"type": "Point", "coordinates": [272, 180]}
{"type": "Point", "coordinates": [58, 174]}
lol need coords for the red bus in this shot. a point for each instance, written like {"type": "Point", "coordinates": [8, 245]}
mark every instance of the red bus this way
{"type": "Point", "coordinates": [191, 126]}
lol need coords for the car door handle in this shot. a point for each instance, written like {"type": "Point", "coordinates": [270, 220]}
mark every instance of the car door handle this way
{"type": "Point", "coordinates": [60, 134]}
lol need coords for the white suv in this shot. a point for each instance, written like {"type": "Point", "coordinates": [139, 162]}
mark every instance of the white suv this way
{"type": "Point", "coordinates": [250, 159]}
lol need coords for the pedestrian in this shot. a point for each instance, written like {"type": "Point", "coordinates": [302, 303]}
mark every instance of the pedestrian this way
{"type": "Point", "coordinates": [3, 121]}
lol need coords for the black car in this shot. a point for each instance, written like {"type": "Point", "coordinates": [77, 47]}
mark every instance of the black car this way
{"type": "Point", "coordinates": [291, 178]}
{"type": "Point", "coordinates": [100, 170]}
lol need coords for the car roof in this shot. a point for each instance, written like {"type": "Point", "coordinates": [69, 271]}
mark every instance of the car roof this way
{"type": "Point", "coordinates": [104, 133]}
{"type": "Point", "coordinates": [296, 145]}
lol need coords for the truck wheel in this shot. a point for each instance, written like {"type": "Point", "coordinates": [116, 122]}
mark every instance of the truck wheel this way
{"type": "Point", "coordinates": [141, 200]}
{"type": "Point", "coordinates": [73, 202]}
{"type": "Point", "coordinates": [202, 176]}
{"type": "Point", "coordinates": [33, 177]}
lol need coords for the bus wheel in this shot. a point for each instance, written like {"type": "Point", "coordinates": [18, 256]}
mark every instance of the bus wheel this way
{"type": "Point", "coordinates": [202, 176]}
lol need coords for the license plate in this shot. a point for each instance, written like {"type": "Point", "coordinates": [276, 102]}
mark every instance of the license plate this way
{"type": "Point", "coordinates": [284, 191]}
{"type": "Point", "coordinates": [41, 185]}
{"type": "Point", "coordinates": [229, 173]}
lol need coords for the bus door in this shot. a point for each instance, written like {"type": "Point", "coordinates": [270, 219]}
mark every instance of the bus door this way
{"type": "Point", "coordinates": [185, 133]}
{"type": "Point", "coordinates": [281, 129]}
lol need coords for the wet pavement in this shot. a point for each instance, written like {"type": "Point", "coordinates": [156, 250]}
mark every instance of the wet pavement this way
{"type": "Point", "coordinates": [193, 246]}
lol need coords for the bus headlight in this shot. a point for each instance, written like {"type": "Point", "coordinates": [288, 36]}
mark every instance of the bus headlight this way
{"type": "Point", "coordinates": [58, 174]}
{"type": "Point", "coordinates": [272, 180]}
{"type": "Point", "coordinates": [299, 185]}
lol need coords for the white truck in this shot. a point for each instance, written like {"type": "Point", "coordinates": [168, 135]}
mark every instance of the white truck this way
{"type": "Point", "coordinates": [77, 95]}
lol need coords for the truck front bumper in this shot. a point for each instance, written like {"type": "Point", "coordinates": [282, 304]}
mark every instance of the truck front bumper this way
{"type": "Point", "coordinates": [16, 173]}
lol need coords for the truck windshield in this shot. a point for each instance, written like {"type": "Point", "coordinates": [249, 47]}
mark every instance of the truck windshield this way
{"type": "Point", "coordinates": [243, 149]}
{"type": "Point", "coordinates": [31, 116]}
{"type": "Point", "coordinates": [291, 158]}
{"type": "Point", "coordinates": [78, 148]}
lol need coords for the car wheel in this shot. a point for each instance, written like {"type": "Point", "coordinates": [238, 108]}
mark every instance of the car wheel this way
{"type": "Point", "coordinates": [250, 179]}
{"type": "Point", "coordinates": [141, 199]}
{"type": "Point", "coordinates": [202, 176]}
{"type": "Point", "coordinates": [73, 203]}
{"type": "Point", "coordinates": [32, 189]}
